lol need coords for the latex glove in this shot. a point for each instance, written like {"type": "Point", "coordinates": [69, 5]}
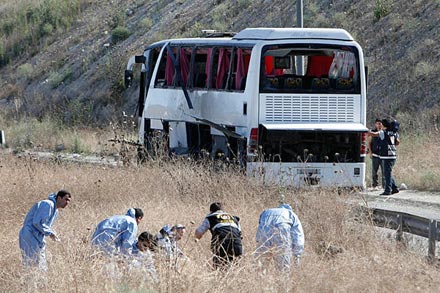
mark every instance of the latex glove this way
{"type": "Point", "coordinates": [54, 237]}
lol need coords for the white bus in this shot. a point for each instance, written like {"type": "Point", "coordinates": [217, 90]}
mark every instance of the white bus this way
{"type": "Point", "coordinates": [288, 104]}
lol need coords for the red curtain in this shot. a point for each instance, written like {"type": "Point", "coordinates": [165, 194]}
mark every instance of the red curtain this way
{"type": "Point", "coordinates": [184, 65]}
{"type": "Point", "coordinates": [169, 71]}
{"type": "Point", "coordinates": [223, 66]}
{"type": "Point", "coordinates": [319, 65]}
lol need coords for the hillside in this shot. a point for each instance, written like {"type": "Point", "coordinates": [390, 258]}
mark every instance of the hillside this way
{"type": "Point", "coordinates": [74, 67]}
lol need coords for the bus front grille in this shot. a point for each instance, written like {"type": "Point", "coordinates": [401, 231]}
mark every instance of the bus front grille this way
{"type": "Point", "coordinates": [308, 108]}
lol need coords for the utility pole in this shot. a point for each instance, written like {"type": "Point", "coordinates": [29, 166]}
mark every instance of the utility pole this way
{"type": "Point", "coordinates": [299, 13]}
{"type": "Point", "coordinates": [299, 24]}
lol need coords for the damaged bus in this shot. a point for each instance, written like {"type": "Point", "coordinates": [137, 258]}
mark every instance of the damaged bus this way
{"type": "Point", "coordinates": [287, 104]}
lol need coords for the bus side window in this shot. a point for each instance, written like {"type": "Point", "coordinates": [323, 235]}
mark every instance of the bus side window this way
{"type": "Point", "coordinates": [161, 72]}
{"type": "Point", "coordinates": [152, 60]}
{"type": "Point", "coordinates": [165, 75]}
{"type": "Point", "coordinates": [200, 64]}
{"type": "Point", "coordinates": [214, 68]}
{"type": "Point", "coordinates": [170, 76]}
{"type": "Point", "coordinates": [243, 58]}
{"type": "Point", "coordinates": [184, 63]}
{"type": "Point", "coordinates": [222, 68]}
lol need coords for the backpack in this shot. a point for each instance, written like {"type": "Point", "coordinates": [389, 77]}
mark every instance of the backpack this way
{"type": "Point", "coordinates": [395, 126]}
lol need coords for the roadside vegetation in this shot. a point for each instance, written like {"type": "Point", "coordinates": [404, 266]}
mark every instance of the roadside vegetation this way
{"type": "Point", "coordinates": [61, 67]}
{"type": "Point", "coordinates": [342, 254]}
{"type": "Point", "coordinates": [416, 165]}
{"type": "Point", "coordinates": [28, 26]}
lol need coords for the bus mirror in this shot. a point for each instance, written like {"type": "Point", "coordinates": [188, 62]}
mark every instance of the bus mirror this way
{"type": "Point", "coordinates": [128, 78]}
{"type": "Point", "coordinates": [140, 59]}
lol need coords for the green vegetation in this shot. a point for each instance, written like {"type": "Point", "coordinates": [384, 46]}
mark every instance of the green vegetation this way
{"type": "Point", "coordinates": [57, 78]}
{"type": "Point", "coordinates": [382, 9]}
{"type": "Point", "coordinates": [120, 33]}
{"type": "Point", "coordinates": [25, 71]}
{"type": "Point", "coordinates": [145, 24]}
{"type": "Point", "coordinates": [25, 25]}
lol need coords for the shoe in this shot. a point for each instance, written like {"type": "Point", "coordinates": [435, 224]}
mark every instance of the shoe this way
{"type": "Point", "coordinates": [385, 193]}
{"type": "Point", "coordinates": [395, 191]}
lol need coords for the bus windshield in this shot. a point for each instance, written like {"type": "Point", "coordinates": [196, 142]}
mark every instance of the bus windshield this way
{"type": "Point", "coordinates": [326, 68]}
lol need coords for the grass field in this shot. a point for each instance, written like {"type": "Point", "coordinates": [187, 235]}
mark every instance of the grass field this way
{"type": "Point", "coordinates": [341, 255]}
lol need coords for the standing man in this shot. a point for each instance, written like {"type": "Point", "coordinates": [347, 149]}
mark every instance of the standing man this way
{"type": "Point", "coordinates": [279, 236]}
{"type": "Point", "coordinates": [37, 225]}
{"type": "Point", "coordinates": [375, 155]}
{"type": "Point", "coordinates": [388, 155]}
{"type": "Point", "coordinates": [117, 234]}
{"type": "Point", "coordinates": [226, 235]}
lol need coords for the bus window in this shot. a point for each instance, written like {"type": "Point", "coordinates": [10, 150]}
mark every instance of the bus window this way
{"type": "Point", "coordinates": [223, 62]}
{"type": "Point", "coordinates": [243, 58]}
{"type": "Point", "coordinates": [184, 62]}
{"type": "Point", "coordinates": [200, 76]}
{"type": "Point", "coordinates": [165, 75]}
{"type": "Point", "coordinates": [331, 69]}
{"type": "Point", "coordinates": [229, 68]}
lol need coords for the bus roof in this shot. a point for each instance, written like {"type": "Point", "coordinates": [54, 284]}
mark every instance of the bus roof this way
{"type": "Point", "coordinates": [293, 33]}
{"type": "Point", "coordinates": [254, 35]}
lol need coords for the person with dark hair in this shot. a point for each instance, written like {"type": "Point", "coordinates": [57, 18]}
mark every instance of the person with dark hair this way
{"type": "Point", "coordinates": [146, 241]}
{"type": "Point", "coordinates": [388, 155]}
{"type": "Point", "coordinates": [226, 235]}
{"type": "Point", "coordinates": [117, 234]}
{"type": "Point", "coordinates": [375, 155]}
{"type": "Point", "coordinates": [142, 255]}
{"type": "Point", "coordinates": [37, 225]}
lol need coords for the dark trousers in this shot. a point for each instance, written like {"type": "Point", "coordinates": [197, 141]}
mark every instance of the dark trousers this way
{"type": "Point", "coordinates": [376, 162]}
{"type": "Point", "coordinates": [226, 247]}
{"type": "Point", "coordinates": [387, 169]}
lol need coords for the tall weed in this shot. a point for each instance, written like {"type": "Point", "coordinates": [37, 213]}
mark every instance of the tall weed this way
{"type": "Point", "coordinates": [340, 254]}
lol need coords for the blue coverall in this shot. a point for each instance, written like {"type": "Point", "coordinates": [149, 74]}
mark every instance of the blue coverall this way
{"type": "Point", "coordinates": [280, 235]}
{"type": "Point", "coordinates": [37, 224]}
{"type": "Point", "coordinates": [116, 234]}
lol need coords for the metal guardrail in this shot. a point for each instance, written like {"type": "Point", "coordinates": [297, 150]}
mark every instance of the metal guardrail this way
{"type": "Point", "coordinates": [404, 222]}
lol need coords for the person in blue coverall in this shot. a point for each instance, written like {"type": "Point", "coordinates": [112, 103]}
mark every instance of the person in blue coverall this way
{"type": "Point", "coordinates": [37, 225]}
{"type": "Point", "coordinates": [117, 234]}
{"type": "Point", "coordinates": [280, 236]}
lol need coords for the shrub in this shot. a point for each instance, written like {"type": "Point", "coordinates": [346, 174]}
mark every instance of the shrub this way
{"type": "Point", "coordinates": [145, 24]}
{"type": "Point", "coordinates": [424, 68]}
{"type": "Point", "coordinates": [120, 33]}
{"type": "Point", "coordinates": [25, 70]}
{"type": "Point", "coordinates": [382, 9]}
{"type": "Point", "coordinates": [55, 78]}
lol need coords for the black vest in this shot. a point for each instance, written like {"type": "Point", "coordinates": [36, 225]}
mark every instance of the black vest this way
{"type": "Point", "coordinates": [375, 149]}
{"type": "Point", "coordinates": [387, 146]}
{"type": "Point", "coordinates": [219, 220]}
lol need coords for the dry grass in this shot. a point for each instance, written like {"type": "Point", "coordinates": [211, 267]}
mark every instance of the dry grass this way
{"type": "Point", "coordinates": [417, 164]}
{"type": "Point", "coordinates": [182, 192]}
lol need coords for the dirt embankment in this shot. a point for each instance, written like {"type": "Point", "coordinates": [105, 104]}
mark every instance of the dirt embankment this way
{"type": "Point", "coordinates": [80, 70]}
